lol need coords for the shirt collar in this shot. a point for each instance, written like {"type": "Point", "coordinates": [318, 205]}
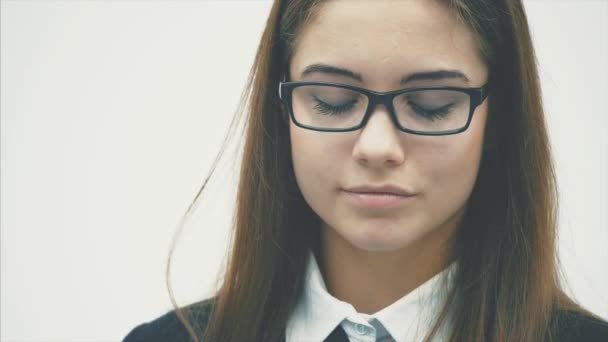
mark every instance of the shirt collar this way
{"type": "Point", "coordinates": [318, 313]}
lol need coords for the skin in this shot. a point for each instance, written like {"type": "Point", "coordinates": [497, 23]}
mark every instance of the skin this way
{"type": "Point", "coordinates": [373, 257]}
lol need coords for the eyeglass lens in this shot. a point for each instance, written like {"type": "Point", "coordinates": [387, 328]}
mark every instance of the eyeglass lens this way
{"type": "Point", "coordinates": [431, 110]}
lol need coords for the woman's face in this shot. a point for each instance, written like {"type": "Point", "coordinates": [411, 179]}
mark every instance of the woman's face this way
{"type": "Point", "coordinates": [384, 42]}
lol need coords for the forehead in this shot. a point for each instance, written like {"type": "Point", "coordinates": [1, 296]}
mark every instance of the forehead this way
{"type": "Point", "coordinates": [385, 40]}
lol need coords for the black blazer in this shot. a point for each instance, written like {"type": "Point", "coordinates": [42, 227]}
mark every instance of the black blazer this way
{"type": "Point", "coordinates": [575, 327]}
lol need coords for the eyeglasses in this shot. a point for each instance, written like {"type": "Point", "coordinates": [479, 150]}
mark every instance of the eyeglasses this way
{"type": "Point", "coordinates": [335, 107]}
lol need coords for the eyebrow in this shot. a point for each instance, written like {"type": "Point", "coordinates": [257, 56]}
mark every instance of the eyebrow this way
{"type": "Point", "coordinates": [418, 76]}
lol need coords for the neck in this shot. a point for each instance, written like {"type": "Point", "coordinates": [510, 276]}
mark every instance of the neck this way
{"type": "Point", "coordinates": [372, 280]}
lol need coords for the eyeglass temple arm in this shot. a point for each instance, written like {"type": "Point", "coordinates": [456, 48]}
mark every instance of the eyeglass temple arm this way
{"type": "Point", "coordinates": [485, 89]}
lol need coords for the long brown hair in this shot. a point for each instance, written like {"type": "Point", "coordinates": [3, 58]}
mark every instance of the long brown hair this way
{"type": "Point", "coordinates": [507, 284]}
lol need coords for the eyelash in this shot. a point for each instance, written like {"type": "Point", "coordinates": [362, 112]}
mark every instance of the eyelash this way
{"type": "Point", "coordinates": [433, 115]}
{"type": "Point", "coordinates": [438, 113]}
{"type": "Point", "coordinates": [324, 108]}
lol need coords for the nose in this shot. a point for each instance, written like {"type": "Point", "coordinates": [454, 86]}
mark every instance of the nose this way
{"type": "Point", "coordinates": [379, 141]}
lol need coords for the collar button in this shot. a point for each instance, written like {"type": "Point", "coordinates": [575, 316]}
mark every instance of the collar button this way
{"type": "Point", "coordinates": [361, 329]}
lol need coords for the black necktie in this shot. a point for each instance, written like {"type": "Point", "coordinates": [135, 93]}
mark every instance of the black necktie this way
{"type": "Point", "coordinates": [338, 335]}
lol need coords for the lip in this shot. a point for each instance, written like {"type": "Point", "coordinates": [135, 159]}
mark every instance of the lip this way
{"type": "Point", "coordinates": [378, 196]}
{"type": "Point", "coordinates": [384, 189]}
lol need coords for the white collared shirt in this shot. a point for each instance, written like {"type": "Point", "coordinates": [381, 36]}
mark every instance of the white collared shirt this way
{"type": "Point", "coordinates": [408, 319]}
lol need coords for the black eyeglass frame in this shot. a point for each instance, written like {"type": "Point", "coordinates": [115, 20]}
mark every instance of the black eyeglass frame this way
{"type": "Point", "coordinates": [477, 96]}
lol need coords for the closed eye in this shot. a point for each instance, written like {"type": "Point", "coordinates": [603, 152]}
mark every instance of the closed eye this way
{"type": "Point", "coordinates": [325, 108]}
{"type": "Point", "coordinates": [431, 113]}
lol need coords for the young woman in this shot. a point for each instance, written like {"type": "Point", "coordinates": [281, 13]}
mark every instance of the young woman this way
{"type": "Point", "coordinates": [396, 184]}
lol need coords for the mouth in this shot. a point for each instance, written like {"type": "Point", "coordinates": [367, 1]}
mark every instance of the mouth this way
{"type": "Point", "coordinates": [378, 199]}
{"type": "Point", "coordinates": [382, 190]}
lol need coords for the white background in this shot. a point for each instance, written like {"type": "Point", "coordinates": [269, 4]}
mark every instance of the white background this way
{"type": "Point", "coordinates": [112, 112]}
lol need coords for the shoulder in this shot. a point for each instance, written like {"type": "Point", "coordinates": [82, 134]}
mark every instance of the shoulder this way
{"type": "Point", "coordinates": [578, 326]}
{"type": "Point", "coordinates": [168, 327]}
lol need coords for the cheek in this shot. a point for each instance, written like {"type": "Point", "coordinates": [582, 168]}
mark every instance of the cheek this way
{"type": "Point", "coordinates": [452, 164]}
{"type": "Point", "coordinates": [304, 151]}
{"type": "Point", "coordinates": [314, 162]}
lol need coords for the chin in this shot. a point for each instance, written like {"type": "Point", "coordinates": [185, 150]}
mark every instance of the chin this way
{"type": "Point", "coordinates": [380, 240]}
